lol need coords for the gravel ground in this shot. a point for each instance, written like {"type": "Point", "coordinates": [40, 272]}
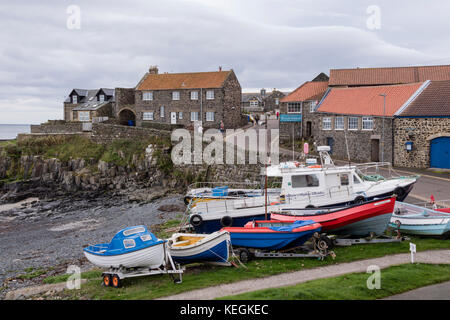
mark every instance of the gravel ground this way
{"type": "Point", "coordinates": [51, 234]}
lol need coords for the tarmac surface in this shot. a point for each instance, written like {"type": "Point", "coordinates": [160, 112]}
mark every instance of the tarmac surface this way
{"type": "Point", "coordinates": [439, 291]}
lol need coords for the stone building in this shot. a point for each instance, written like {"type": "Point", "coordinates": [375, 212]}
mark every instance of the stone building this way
{"type": "Point", "coordinates": [178, 99]}
{"type": "Point", "coordinates": [422, 129]}
{"type": "Point", "coordinates": [297, 108]}
{"type": "Point", "coordinates": [358, 122]}
{"type": "Point", "coordinates": [262, 101]}
{"type": "Point", "coordinates": [87, 105]}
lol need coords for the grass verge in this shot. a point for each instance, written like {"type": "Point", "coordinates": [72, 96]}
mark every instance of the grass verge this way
{"type": "Point", "coordinates": [394, 280]}
{"type": "Point", "coordinates": [201, 276]}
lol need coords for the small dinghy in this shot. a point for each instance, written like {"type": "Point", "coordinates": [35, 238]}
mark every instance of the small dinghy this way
{"type": "Point", "coordinates": [273, 235]}
{"type": "Point", "coordinates": [129, 248]}
{"type": "Point", "coordinates": [211, 248]}
{"type": "Point", "coordinates": [413, 219]}
{"type": "Point", "coordinates": [362, 220]}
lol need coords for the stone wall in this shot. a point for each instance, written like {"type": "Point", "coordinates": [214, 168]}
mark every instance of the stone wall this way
{"type": "Point", "coordinates": [57, 127]}
{"type": "Point", "coordinates": [125, 98]}
{"type": "Point", "coordinates": [420, 131]}
{"type": "Point", "coordinates": [106, 133]}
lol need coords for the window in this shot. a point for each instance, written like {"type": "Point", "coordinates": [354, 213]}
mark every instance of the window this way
{"type": "Point", "coordinates": [294, 107]}
{"type": "Point", "coordinates": [352, 123]}
{"type": "Point", "coordinates": [132, 231]}
{"type": "Point", "coordinates": [344, 179]}
{"type": "Point", "coordinates": [277, 101]}
{"type": "Point", "coordinates": [304, 181]}
{"type": "Point", "coordinates": [101, 98]}
{"type": "Point", "coordinates": [367, 123]}
{"type": "Point", "coordinates": [74, 99]}
{"type": "Point", "coordinates": [210, 116]}
{"type": "Point", "coordinates": [326, 124]}
{"type": "Point", "coordinates": [356, 179]}
{"type": "Point", "coordinates": [194, 95]}
{"type": "Point", "coordinates": [146, 237]}
{"type": "Point", "coordinates": [147, 96]}
{"type": "Point", "coordinates": [312, 106]}
{"type": "Point", "coordinates": [253, 103]}
{"type": "Point", "coordinates": [161, 111]}
{"type": "Point", "coordinates": [194, 116]}
{"type": "Point", "coordinates": [147, 116]}
{"type": "Point", "coordinates": [210, 95]}
{"type": "Point", "coordinates": [175, 95]}
{"type": "Point", "coordinates": [180, 115]}
{"type": "Point", "coordinates": [129, 243]}
{"type": "Point", "coordinates": [339, 123]}
{"type": "Point", "coordinates": [84, 116]}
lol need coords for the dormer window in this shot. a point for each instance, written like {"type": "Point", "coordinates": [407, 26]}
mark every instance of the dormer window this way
{"type": "Point", "coordinates": [74, 99]}
{"type": "Point", "coordinates": [101, 98]}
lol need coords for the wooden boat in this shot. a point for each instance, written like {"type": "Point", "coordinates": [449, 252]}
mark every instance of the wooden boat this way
{"type": "Point", "coordinates": [371, 217]}
{"type": "Point", "coordinates": [129, 248]}
{"type": "Point", "coordinates": [413, 219]}
{"type": "Point", "coordinates": [212, 248]}
{"type": "Point", "coordinates": [272, 235]}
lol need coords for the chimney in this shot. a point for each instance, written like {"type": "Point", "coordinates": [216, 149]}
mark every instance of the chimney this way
{"type": "Point", "coordinates": [263, 92]}
{"type": "Point", "coordinates": [153, 70]}
{"type": "Point", "coordinates": [220, 68]}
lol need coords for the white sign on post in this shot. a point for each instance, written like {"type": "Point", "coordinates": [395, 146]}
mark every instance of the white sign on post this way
{"type": "Point", "coordinates": [412, 248]}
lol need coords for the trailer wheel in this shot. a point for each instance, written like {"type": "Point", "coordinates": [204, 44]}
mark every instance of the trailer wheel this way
{"type": "Point", "coordinates": [107, 280]}
{"type": "Point", "coordinates": [196, 220]}
{"type": "Point", "coordinates": [244, 255]}
{"type": "Point", "coordinates": [116, 282]}
{"type": "Point", "coordinates": [324, 243]}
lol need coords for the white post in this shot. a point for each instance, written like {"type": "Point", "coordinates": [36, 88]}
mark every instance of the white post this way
{"type": "Point", "coordinates": [412, 248]}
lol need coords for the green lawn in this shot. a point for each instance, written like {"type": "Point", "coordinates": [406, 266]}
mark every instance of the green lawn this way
{"type": "Point", "coordinates": [394, 280]}
{"type": "Point", "coordinates": [200, 276]}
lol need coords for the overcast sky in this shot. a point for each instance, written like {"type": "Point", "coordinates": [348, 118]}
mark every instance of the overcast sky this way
{"type": "Point", "coordinates": [270, 44]}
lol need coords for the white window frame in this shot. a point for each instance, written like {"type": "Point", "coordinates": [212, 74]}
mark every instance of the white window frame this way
{"type": "Point", "coordinates": [350, 123]}
{"type": "Point", "coordinates": [82, 116]}
{"type": "Point", "coordinates": [210, 95]}
{"type": "Point", "coordinates": [254, 103]}
{"type": "Point", "coordinates": [328, 122]}
{"type": "Point", "coordinates": [341, 123]}
{"type": "Point", "coordinates": [277, 101]}
{"type": "Point", "coordinates": [208, 116]}
{"type": "Point", "coordinates": [176, 95]}
{"type": "Point", "coordinates": [294, 106]}
{"type": "Point", "coordinates": [148, 115]}
{"type": "Point", "coordinates": [74, 99]}
{"type": "Point", "coordinates": [365, 121]}
{"type": "Point", "coordinates": [161, 111]}
{"type": "Point", "coordinates": [194, 118]}
{"type": "Point", "coordinates": [147, 95]}
{"type": "Point", "coordinates": [312, 106]}
{"type": "Point", "coordinates": [194, 95]}
{"type": "Point", "coordinates": [180, 115]}
{"type": "Point", "coordinates": [101, 98]}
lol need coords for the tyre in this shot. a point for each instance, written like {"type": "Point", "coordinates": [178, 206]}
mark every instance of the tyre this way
{"type": "Point", "coordinates": [187, 200]}
{"type": "Point", "coordinates": [359, 200]}
{"type": "Point", "coordinates": [196, 220]}
{"type": "Point", "coordinates": [400, 192]}
{"type": "Point", "coordinates": [244, 255]}
{"type": "Point", "coordinates": [226, 221]}
{"type": "Point", "coordinates": [325, 243]}
{"type": "Point", "coordinates": [107, 280]}
{"type": "Point", "coordinates": [116, 282]}
{"type": "Point", "coordinates": [310, 206]}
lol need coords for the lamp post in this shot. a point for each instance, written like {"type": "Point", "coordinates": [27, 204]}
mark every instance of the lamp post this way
{"type": "Point", "coordinates": [382, 133]}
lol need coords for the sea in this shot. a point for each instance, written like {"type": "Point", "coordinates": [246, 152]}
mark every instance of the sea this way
{"type": "Point", "coordinates": [10, 131]}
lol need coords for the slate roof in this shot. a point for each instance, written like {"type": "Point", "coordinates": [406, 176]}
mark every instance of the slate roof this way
{"type": "Point", "coordinates": [433, 101]}
{"type": "Point", "coordinates": [367, 100]}
{"type": "Point", "coordinates": [310, 90]}
{"type": "Point", "coordinates": [383, 76]}
{"type": "Point", "coordinates": [192, 80]}
{"type": "Point", "coordinates": [89, 100]}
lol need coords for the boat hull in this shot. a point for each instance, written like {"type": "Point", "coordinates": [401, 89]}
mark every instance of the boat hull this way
{"type": "Point", "coordinates": [358, 220]}
{"type": "Point", "coordinates": [151, 257]}
{"type": "Point", "coordinates": [213, 248]}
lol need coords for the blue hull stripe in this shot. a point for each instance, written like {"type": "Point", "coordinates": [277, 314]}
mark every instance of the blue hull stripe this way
{"type": "Point", "coordinates": [218, 253]}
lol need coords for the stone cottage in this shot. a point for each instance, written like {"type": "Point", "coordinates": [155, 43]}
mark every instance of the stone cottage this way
{"type": "Point", "coordinates": [167, 100]}
{"type": "Point", "coordinates": [88, 105]}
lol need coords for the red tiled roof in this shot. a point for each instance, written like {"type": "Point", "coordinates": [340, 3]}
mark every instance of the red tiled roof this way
{"type": "Point", "coordinates": [433, 101]}
{"type": "Point", "coordinates": [367, 100]}
{"type": "Point", "coordinates": [310, 90]}
{"type": "Point", "coordinates": [383, 76]}
{"type": "Point", "coordinates": [192, 80]}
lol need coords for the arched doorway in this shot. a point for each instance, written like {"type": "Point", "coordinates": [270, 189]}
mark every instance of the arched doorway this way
{"type": "Point", "coordinates": [127, 118]}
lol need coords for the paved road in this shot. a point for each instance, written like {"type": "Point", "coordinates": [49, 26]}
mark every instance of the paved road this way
{"type": "Point", "coordinates": [435, 292]}
{"type": "Point", "coordinates": [292, 278]}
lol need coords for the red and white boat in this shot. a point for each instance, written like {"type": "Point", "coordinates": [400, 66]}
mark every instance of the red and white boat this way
{"type": "Point", "coordinates": [362, 220]}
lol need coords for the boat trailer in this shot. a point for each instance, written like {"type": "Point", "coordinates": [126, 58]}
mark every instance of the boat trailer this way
{"type": "Point", "coordinates": [347, 241]}
{"type": "Point", "coordinates": [320, 248]}
{"type": "Point", "coordinates": [114, 276]}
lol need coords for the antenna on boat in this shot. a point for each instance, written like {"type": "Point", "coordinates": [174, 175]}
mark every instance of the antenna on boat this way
{"type": "Point", "coordinates": [346, 145]}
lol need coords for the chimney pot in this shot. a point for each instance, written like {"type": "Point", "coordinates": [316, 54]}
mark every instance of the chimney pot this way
{"type": "Point", "coordinates": [153, 70]}
{"type": "Point", "coordinates": [220, 68]}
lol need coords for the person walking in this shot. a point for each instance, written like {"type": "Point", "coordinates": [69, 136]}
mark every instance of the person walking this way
{"type": "Point", "coordinates": [222, 126]}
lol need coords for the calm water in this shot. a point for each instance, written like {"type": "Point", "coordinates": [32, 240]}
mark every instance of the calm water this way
{"type": "Point", "coordinates": [10, 131]}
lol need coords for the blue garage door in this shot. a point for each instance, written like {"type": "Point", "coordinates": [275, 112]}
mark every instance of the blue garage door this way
{"type": "Point", "coordinates": [440, 153]}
